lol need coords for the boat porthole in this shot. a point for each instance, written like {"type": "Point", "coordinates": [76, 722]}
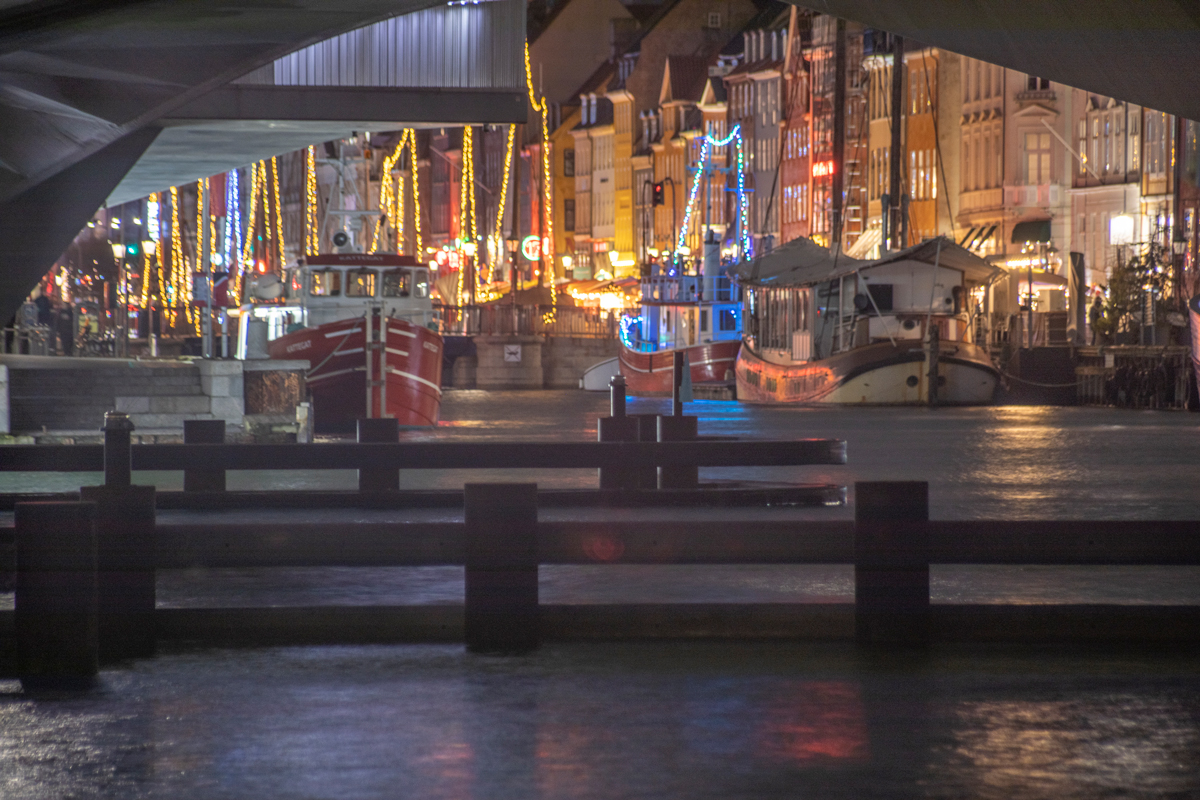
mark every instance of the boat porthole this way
{"type": "Point", "coordinates": [908, 324]}
{"type": "Point", "coordinates": [912, 380]}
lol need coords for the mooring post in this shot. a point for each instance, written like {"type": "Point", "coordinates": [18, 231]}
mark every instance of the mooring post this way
{"type": "Point", "coordinates": [677, 383]}
{"type": "Point", "coordinates": [645, 476]}
{"type": "Point", "coordinates": [502, 567]}
{"type": "Point", "coordinates": [678, 429]}
{"type": "Point", "coordinates": [933, 355]}
{"type": "Point", "coordinates": [203, 431]}
{"type": "Point", "coordinates": [55, 600]}
{"type": "Point", "coordinates": [125, 563]}
{"type": "Point", "coordinates": [118, 444]}
{"type": "Point", "coordinates": [380, 430]}
{"type": "Point", "coordinates": [616, 428]}
{"type": "Point", "coordinates": [891, 562]}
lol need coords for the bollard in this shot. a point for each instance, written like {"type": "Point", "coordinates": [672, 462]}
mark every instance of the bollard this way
{"type": "Point", "coordinates": [380, 430]}
{"type": "Point", "coordinates": [616, 396]}
{"type": "Point", "coordinates": [645, 476]}
{"type": "Point", "coordinates": [891, 562]}
{"type": "Point", "coordinates": [677, 367]}
{"type": "Point", "coordinates": [118, 458]}
{"type": "Point", "coordinates": [502, 567]}
{"type": "Point", "coordinates": [125, 562]}
{"type": "Point", "coordinates": [55, 609]}
{"type": "Point", "coordinates": [678, 429]}
{"type": "Point", "coordinates": [204, 431]}
{"type": "Point", "coordinates": [616, 428]}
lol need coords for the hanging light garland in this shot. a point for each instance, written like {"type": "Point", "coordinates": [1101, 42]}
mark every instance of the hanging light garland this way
{"type": "Point", "coordinates": [391, 197]}
{"type": "Point", "coordinates": [251, 230]}
{"type": "Point", "coordinates": [232, 246]}
{"type": "Point", "coordinates": [496, 248]}
{"type": "Point", "coordinates": [281, 246]}
{"type": "Point", "coordinates": [312, 236]}
{"type": "Point", "coordinates": [179, 289]}
{"type": "Point", "coordinates": [543, 107]}
{"type": "Point", "coordinates": [412, 163]}
{"type": "Point", "coordinates": [148, 265]}
{"type": "Point", "coordinates": [468, 230]}
{"type": "Point", "coordinates": [734, 136]}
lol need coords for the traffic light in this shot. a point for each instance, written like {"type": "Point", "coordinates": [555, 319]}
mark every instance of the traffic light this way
{"type": "Point", "coordinates": [658, 193]}
{"type": "Point", "coordinates": [132, 250]}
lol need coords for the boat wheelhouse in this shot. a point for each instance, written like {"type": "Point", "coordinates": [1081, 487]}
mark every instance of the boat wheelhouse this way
{"type": "Point", "coordinates": [699, 315]}
{"type": "Point", "coordinates": [899, 330]}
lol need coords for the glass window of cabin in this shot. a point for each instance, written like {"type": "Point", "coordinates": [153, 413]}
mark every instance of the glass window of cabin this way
{"type": "Point", "coordinates": [881, 294]}
{"type": "Point", "coordinates": [325, 283]}
{"type": "Point", "coordinates": [421, 283]}
{"type": "Point", "coordinates": [728, 319]}
{"type": "Point", "coordinates": [397, 283]}
{"type": "Point", "coordinates": [360, 283]}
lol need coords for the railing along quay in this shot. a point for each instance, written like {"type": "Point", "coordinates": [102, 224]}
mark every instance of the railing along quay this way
{"type": "Point", "coordinates": [85, 583]}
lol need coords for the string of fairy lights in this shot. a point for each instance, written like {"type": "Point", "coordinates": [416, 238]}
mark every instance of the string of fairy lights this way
{"type": "Point", "coordinates": [251, 240]}
{"type": "Point", "coordinates": [706, 147]}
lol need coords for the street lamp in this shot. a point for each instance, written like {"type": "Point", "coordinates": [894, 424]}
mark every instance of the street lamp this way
{"type": "Point", "coordinates": [512, 243]}
{"type": "Point", "coordinates": [1179, 243]}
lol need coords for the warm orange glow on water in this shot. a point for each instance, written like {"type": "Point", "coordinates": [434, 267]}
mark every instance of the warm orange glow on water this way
{"type": "Point", "coordinates": [817, 723]}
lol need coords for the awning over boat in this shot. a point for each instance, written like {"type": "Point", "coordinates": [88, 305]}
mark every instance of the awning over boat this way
{"type": "Point", "coordinates": [945, 253]}
{"type": "Point", "coordinates": [798, 263]}
{"type": "Point", "coordinates": [803, 262]}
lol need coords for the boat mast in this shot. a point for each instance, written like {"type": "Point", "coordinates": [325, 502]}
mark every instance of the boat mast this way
{"type": "Point", "coordinates": [836, 183]}
{"type": "Point", "coordinates": [896, 224]}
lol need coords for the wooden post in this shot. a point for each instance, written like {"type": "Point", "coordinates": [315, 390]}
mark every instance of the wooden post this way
{"type": "Point", "coordinates": [380, 430]}
{"type": "Point", "coordinates": [933, 354]}
{"type": "Point", "coordinates": [55, 612]}
{"type": "Point", "coordinates": [204, 431]}
{"type": "Point", "coordinates": [118, 441]}
{"type": "Point", "coordinates": [616, 428]}
{"type": "Point", "coordinates": [891, 562]}
{"type": "Point", "coordinates": [502, 567]}
{"type": "Point", "coordinates": [645, 476]}
{"type": "Point", "coordinates": [678, 429]}
{"type": "Point", "coordinates": [125, 563]}
{"type": "Point", "coordinates": [677, 383]}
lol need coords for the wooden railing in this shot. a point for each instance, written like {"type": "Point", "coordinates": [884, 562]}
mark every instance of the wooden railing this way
{"type": "Point", "coordinates": [523, 320]}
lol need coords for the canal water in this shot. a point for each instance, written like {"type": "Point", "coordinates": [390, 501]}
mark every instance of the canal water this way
{"type": "Point", "coordinates": [728, 720]}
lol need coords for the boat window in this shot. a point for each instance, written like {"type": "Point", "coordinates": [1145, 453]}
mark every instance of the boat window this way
{"type": "Point", "coordinates": [360, 283]}
{"type": "Point", "coordinates": [397, 283]}
{"type": "Point", "coordinates": [421, 289]}
{"type": "Point", "coordinates": [325, 283]}
{"type": "Point", "coordinates": [881, 293]}
{"type": "Point", "coordinates": [728, 319]}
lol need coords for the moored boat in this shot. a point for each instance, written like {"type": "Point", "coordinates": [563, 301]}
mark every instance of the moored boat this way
{"type": "Point", "coordinates": [899, 330]}
{"type": "Point", "coordinates": [365, 323]}
{"type": "Point", "coordinates": [698, 315]}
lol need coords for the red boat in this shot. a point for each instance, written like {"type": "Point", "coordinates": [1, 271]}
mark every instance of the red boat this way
{"type": "Point", "coordinates": [650, 374]}
{"type": "Point", "coordinates": [698, 315]}
{"type": "Point", "coordinates": [364, 322]}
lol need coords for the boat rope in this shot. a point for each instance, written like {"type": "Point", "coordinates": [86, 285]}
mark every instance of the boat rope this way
{"type": "Point", "coordinates": [332, 352]}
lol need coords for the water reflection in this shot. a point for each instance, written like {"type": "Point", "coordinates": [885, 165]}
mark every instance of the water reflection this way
{"type": "Point", "coordinates": [616, 720]}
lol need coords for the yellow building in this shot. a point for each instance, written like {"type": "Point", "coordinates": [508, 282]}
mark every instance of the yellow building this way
{"type": "Point", "coordinates": [562, 146]}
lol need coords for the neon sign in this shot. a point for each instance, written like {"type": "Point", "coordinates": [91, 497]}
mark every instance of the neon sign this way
{"type": "Point", "coordinates": [531, 248]}
{"type": "Point", "coordinates": [822, 168]}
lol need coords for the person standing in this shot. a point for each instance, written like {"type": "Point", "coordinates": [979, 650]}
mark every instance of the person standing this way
{"type": "Point", "coordinates": [64, 324]}
{"type": "Point", "coordinates": [1094, 315]}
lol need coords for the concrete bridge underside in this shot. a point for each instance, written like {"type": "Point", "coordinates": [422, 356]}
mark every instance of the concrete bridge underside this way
{"type": "Point", "coordinates": [104, 101]}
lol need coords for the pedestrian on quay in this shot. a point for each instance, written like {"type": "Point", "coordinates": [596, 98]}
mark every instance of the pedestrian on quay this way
{"type": "Point", "coordinates": [1094, 315]}
{"type": "Point", "coordinates": [64, 324]}
{"type": "Point", "coordinates": [45, 311]}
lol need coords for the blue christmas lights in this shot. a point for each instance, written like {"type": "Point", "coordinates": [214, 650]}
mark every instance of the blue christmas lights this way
{"type": "Point", "coordinates": [233, 222]}
{"type": "Point", "coordinates": [735, 136]}
{"type": "Point", "coordinates": [627, 334]}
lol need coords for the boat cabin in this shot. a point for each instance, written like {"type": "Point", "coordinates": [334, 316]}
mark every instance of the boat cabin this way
{"type": "Point", "coordinates": [329, 288]}
{"type": "Point", "coordinates": [808, 306]}
{"type": "Point", "coordinates": [684, 311]}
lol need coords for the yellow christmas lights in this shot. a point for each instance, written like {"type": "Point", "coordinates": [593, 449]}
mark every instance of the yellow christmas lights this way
{"type": "Point", "coordinates": [496, 243]}
{"type": "Point", "coordinates": [312, 235]}
{"type": "Point", "coordinates": [412, 164]}
{"type": "Point", "coordinates": [280, 252]}
{"type": "Point", "coordinates": [148, 263]}
{"type": "Point", "coordinates": [543, 107]}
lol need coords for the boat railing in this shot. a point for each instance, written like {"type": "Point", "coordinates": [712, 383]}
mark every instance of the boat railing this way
{"type": "Point", "coordinates": [689, 289]}
{"type": "Point", "coordinates": [527, 320]}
